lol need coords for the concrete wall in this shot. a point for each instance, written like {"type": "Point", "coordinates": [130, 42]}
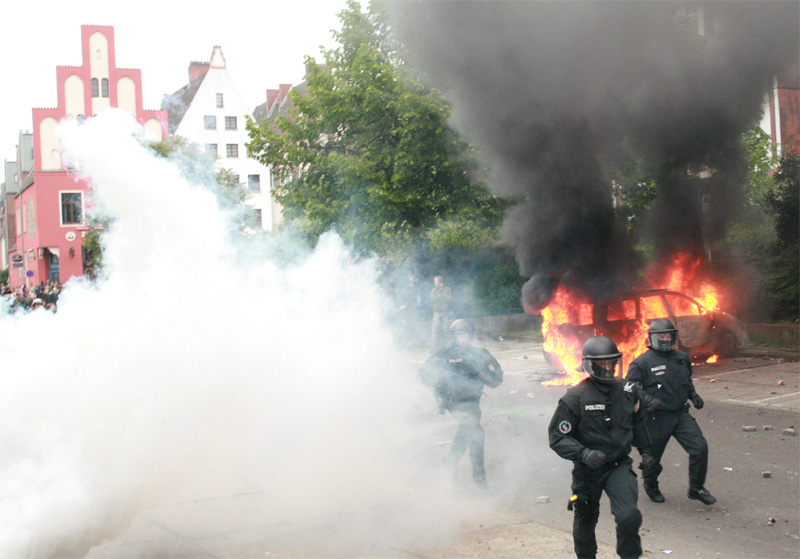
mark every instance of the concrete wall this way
{"type": "Point", "coordinates": [508, 324]}
{"type": "Point", "coordinates": [777, 335]}
{"type": "Point", "coordinates": [781, 335]}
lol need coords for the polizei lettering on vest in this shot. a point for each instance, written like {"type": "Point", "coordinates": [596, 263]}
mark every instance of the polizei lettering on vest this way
{"type": "Point", "coordinates": [595, 407]}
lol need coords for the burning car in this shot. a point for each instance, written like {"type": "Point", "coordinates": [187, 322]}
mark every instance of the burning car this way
{"type": "Point", "coordinates": [625, 318]}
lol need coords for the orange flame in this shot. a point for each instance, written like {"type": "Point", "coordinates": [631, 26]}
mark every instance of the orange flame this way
{"type": "Point", "coordinates": [569, 308]}
{"type": "Point", "coordinates": [565, 308]}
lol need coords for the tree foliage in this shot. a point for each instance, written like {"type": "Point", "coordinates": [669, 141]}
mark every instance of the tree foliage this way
{"type": "Point", "coordinates": [784, 201]}
{"type": "Point", "coordinates": [367, 150]}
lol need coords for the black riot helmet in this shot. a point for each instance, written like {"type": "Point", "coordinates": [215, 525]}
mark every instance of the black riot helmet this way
{"type": "Point", "coordinates": [601, 359]}
{"type": "Point", "coordinates": [462, 331]}
{"type": "Point", "coordinates": [662, 336]}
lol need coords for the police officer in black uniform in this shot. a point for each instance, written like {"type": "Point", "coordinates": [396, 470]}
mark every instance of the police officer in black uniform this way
{"type": "Point", "coordinates": [663, 375]}
{"type": "Point", "coordinates": [457, 374]}
{"type": "Point", "coordinates": [594, 425]}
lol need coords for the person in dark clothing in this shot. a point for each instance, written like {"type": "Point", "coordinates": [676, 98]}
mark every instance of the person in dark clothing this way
{"type": "Point", "coordinates": [594, 425]}
{"type": "Point", "coordinates": [663, 375]}
{"type": "Point", "coordinates": [457, 375]}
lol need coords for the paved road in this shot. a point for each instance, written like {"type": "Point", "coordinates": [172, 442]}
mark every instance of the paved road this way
{"type": "Point", "coordinates": [523, 514]}
{"type": "Point", "coordinates": [752, 390]}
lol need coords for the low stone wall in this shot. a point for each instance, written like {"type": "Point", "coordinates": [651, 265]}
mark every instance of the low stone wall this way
{"type": "Point", "coordinates": [776, 335]}
{"type": "Point", "coordinates": [521, 323]}
{"type": "Point", "coordinates": [779, 335]}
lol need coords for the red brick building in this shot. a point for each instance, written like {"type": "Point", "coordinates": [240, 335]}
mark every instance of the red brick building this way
{"type": "Point", "coordinates": [782, 112]}
{"type": "Point", "coordinates": [50, 204]}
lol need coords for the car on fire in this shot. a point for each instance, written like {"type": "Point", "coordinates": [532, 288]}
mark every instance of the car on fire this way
{"type": "Point", "coordinates": [701, 332]}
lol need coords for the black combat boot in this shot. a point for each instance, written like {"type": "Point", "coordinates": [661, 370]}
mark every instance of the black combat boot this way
{"type": "Point", "coordinates": [702, 495]}
{"type": "Point", "coordinates": [653, 492]}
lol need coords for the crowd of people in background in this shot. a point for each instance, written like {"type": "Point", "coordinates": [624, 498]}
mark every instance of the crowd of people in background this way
{"type": "Point", "coordinates": [29, 298]}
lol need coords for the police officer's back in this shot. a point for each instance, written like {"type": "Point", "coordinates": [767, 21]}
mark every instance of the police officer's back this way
{"type": "Point", "coordinates": [457, 374]}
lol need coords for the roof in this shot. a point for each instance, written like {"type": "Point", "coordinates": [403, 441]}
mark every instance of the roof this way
{"type": "Point", "coordinates": [280, 106]}
{"type": "Point", "coordinates": [177, 103]}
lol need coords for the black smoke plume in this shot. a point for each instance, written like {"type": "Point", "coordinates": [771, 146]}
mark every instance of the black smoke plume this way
{"type": "Point", "coordinates": [556, 93]}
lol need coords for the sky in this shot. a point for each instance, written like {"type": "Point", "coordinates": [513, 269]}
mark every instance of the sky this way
{"type": "Point", "coordinates": [264, 46]}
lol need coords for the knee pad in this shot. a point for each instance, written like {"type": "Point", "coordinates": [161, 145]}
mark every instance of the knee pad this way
{"type": "Point", "coordinates": [702, 449]}
{"type": "Point", "coordinates": [630, 520]}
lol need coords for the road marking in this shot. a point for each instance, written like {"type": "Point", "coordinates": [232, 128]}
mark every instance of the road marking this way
{"type": "Point", "coordinates": [775, 397]}
{"type": "Point", "coordinates": [726, 374]}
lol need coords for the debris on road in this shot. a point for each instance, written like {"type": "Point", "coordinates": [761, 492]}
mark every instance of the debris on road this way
{"type": "Point", "coordinates": [748, 428]}
{"type": "Point", "coordinates": [543, 500]}
{"type": "Point", "coordinates": [728, 469]}
{"type": "Point", "coordinates": [789, 431]}
{"type": "Point", "coordinates": [781, 383]}
{"type": "Point", "coordinates": [766, 474]}
{"type": "Point", "coordinates": [768, 427]}
{"type": "Point", "coordinates": [771, 521]}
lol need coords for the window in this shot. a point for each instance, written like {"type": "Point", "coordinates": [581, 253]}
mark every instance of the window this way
{"type": "Point", "coordinates": [259, 220]}
{"type": "Point", "coordinates": [652, 307]}
{"type": "Point", "coordinates": [95, 88]}
{"type": "Point", "coordinates": [622, 310]}
{"type": "Point", "coordinates": [211, 149]}
{"type": "Point", "coordinates": [104, 86]}
{"type": "Point", "coordinates": [254, 182]}
{"type": "Point", "coordinates": [219, 100]}
{"type": "Point", "coordinates": [71, 208]}
{"type": "Point", "coordinates": [230, 123]}
{"type": "Point", "coordinates": [210, 122]}
{"type": "Point", "coordinates": [235, 179]}
{"type": "Point", "coordinates": [232, 150]}
{"type": "Point", "coordinates": [682, 306]}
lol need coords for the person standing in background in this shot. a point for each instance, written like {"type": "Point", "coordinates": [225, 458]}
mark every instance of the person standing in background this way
{"type": "Point", "coordinates": [442, 304]}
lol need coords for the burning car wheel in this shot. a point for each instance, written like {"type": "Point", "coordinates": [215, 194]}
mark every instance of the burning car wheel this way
{"type": "Point", "coordinates": [726, 344]}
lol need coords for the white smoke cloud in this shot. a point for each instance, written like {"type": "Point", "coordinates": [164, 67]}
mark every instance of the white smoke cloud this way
{"type": "Point", "coordinates": [184, 369]}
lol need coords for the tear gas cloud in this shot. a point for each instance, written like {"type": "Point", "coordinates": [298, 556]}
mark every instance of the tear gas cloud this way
{"type": "Point", "coordinates": [557, 94]}
{"type": "Point", "coordinates": [190, 372]}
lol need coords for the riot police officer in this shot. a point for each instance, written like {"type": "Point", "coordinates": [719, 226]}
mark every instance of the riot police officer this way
{"type": "Point", "coordinates": [663, 375]}
{"type": "Point", "coordinates": [457, 375]}
{"type": "Point", "coordinates": [594, 425]}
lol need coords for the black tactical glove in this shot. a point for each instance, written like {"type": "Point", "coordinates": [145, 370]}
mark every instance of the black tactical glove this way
{"type": "Point", "coordinates": [648, 463]}
{"type": "Point", "coordinates": [697, 401]}
{"type": "Point", "coordinates": [593, 458]}
{"type": "Point", "coordinates": [654, 404]}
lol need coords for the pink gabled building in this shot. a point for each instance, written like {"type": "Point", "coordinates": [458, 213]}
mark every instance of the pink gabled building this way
{"type": "Point", "coordinates": [50, 205]}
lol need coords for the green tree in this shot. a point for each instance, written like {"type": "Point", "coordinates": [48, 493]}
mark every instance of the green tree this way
{"type": "Point", "coordinates": [784, 201]}
{"type": "Point", "coordinates": [367, 150]}
{"type": "Point", "coordinates": [761, 163]}
{"type": "Point", "coordinates": [92, 247]}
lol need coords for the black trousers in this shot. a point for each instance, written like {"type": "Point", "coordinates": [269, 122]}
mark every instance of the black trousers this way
{"type": "Point", "coordinates": [618, 480]}
{"type": "Point", "coordinates": [684, 428]}
{"type": "Point", "coordinates": [470, 435]}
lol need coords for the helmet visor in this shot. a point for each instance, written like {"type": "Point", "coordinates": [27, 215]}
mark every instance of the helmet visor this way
{"type": "Point", "coordinates": [664, 341]}
{"type": "Point", "coordinates": [605, 370]}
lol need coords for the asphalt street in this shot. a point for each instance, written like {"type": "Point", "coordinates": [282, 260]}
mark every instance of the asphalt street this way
{"type": "Point", "coordinates": [750, 401]}
{"type": "Point", "coordinates": [755, 390]}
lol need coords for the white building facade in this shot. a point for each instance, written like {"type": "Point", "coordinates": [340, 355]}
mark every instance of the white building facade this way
{"type": "Point", "coordinates": [210, 112]}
